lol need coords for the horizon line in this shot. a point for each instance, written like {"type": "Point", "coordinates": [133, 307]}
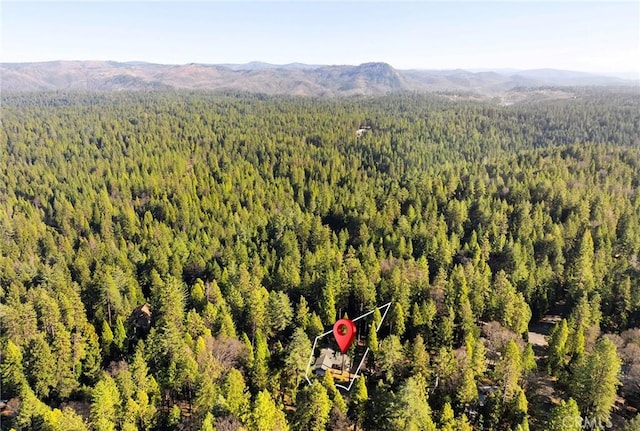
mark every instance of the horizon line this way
{"type": "Point", "coordinates": [509, 69]}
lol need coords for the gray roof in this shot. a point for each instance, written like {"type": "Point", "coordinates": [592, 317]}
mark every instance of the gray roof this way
{"type": "Point", "coordinates": [329, 358]}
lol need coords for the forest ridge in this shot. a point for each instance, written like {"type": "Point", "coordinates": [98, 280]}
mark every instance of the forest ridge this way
{"type": "Point", "coordinates": [292, 79]}
{"type": "Point", "coordinates": [168, 257]}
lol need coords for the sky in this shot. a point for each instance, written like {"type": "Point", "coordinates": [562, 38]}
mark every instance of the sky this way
{"type": "Point", "coordinates": [587, 36]}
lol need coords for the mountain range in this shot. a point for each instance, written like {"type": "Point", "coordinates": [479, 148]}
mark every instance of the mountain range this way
{"type": "Point", "coordinates": [292, 79]}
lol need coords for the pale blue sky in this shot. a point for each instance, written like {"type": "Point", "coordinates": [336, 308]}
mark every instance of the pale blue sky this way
{"type": "Point", "coordinates": [587, 36]}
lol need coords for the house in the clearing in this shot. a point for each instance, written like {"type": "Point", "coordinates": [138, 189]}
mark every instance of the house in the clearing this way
{"type": "Point", "coordinates": [336, 363]}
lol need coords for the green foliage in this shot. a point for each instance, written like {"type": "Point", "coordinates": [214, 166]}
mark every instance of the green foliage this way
{"type": "Point", "coordinates": [632, 424]}
{"type": "Point", "coordinates": [266, 415]}
{"type": "Point", "coordinates": [357, 409]}
{"type": "Point", "coordinates": [302, 314]}
{"type": "Point", "coordinates": [580, 278]}
{"type": "Point", "coordinates": [397, 319]}
{"type": "Point", "coordinates": [509, 370]}
{"type": "Point", "coordinates": [315, 326]}
{"type": "Point", "coordinates": [372, 338]}
{"type": "Point", "coordinates": [105, 403]}
{"type": "Point", "coordinates": [65, 420]}
{"type": "Point", "coordinates": [446, 370]}
{"type": "Point", "coordinates": [413, 412]}
{"type": "Point", "coordinates": [312, 408]}
{"type": "Point", "coordinates": [519, 407]}
{"type": "Point", "coordinates": [337, 400]}
{"type": "Point", "coordinates": [33, 412]}
{"type": "Point", "coordinates": [40, 366]}
{"type": "Point", "coordinates": [279, 311]}
{"type": "Point", "coordinates": [174, 417]}
{"type": "Point", "coordinates": [565, 417]}
{"type": "Point", "coordinates": [508, 305]}
{"type": "Point", "coordinates": [107, 337]}
{"type": "Point", "coordinates": [297, 358]}
{"type": "Point", "coordinates": [120, 334]}
{"type": "Point", "coordinates": [419, 358]}
{"type": "Point", "coordinates": [207, 423]}
{"type": "Point", "coordinates": [198, 298]}
{"type": "Point", "coordinates": [528, 359]}
{"type": "Point", "coordinates": [11, 370]}
{"type": "Point", "coordinates": [233, 214]}
{"type": "Point", "coordinates": [468, 391]}
{"type": "Point", "coordinates": [447, 421]}
{"type": "Point", "coordinates": [327, 298]}
{"type": "Point", "coordinates": [259, 368]}
{"type": "Point", "coordinates": [235, 394]}
{"type": "Point", "coordinates": [390, 357]}
{"type": "Point", "coordinates": [595, 380]}
{"type": "Point", "coordinates": [557, 348]}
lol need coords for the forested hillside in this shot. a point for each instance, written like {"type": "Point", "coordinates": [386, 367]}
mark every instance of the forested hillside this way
{"type": "Point", "coordinates": [167, 258]}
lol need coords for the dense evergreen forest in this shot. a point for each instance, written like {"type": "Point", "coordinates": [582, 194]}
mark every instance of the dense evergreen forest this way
{"type": "Point", "coordinates": [167, 258]}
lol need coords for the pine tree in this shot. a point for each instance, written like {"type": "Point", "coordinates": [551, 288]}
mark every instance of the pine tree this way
{"type": "Point", "coordinates": [266, 415]}
{"type": "Point", "coordinates": [327, 301]}
{"type": "Point", "coordinates": [334, 394]}
{"type": "Point", "coordinates": [107, 337]}
{"type": "Point", "coordinates": [259, 368]}
{"type": "Point", "coordinates": [462, 424]}
{"type": "Point", "coordinates": [256, 309]}
{"type": "Point", "coordinates": [528, 359]}
{"type": "Point", "coordinates": [302, 314]}
{"type": "Point", "coordinates": [315, 326]}
{"type": "Point", "coordinates": [131, 415]}
{"type": "Point", "coordinates": [359, 398]}
{"type": "Point", "coordinates": [509, 370]}
{"type": "Point", "coordinates": [297, 359]}
{"type": "Point", "coordinates": [413, 412]}
{"type": "Point", "coordinates": [580, 278]}
{"type": "Point", "coordinates": [420, 358]}
{"type": "Point", "coordinates": [235, 394]}
{"type": "Point", "coordinates": [65, 420]}
{"type": "Point", "coordinates": [207, 392]}
{"type": "Point", "coordinates": [520, 407]}
{"type": "Point", "coordinates": [11, 371]}
{"type": "Point", "coordinates": [447, 418]}
{"type": "Point", "coordinates": [595, 380]}
{"type": "Point", "coordinates": [312, 408]}
{"type": "Point", "coordinates": [109, 293]}
{"type": "Point", "coordinates": [197, 296]}
{"type": "Point", "coordinates": [397, 319]}
{"type": "Point", "coordinates": [139, 368]}
{"type": "Point", "coordinates": [208, 423]}
{"type": "Point", "coordinates": [62, 350]}
{"type": "Point", "coordinates": [390, 356]}
{"type": "Point", "coordinates": [91, 371]}
{"type": "Point", "coordinates": [279, 312]}
{"type": "Point", "coordinates": [372, 338]}
{"type": "Point", "coordinates": [557, 350]}
{"type": "Point", "coordinates": [32, 411]}
{"type": "Point", "coordinates": [120, 334]}
{"type": "Point", "coordinates": [40, 366]}
{"type": "Point", "coordinates": [104, 405]}
{"type": "Point", "coordinates": [225, 321]}
{"type": "Point", "coordinates": [565, 417]}
{"type": "Point", "coordinates": [446, 327]}
{"type": "Point", "coordinates": [467, 393]}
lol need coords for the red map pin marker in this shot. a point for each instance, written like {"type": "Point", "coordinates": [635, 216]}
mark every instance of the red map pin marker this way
{"type": "Point", "coordinates": [344, 330]}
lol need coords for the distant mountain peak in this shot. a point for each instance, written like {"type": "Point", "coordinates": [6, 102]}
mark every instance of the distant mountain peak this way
{"type": "Point", "coordinates": [371, 78]}
{"type": "Point", "coordinates": [376, 64]}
